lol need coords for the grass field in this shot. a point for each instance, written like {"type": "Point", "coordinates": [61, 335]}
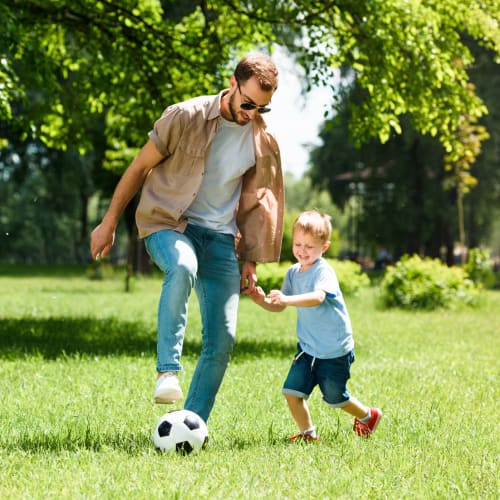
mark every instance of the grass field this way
{"type": "Point", "coordinates": [77, 369]}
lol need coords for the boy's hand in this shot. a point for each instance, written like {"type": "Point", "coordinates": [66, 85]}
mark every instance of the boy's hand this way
{"type": "Point", "coordinates": [276, 297]}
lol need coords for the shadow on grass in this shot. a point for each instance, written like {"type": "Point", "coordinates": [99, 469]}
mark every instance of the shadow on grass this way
{"type": "Point", "coordinates": [83, 439]}
{"type": "Point", "coordinates": [60, 337]}
{"type": "Point", "coordinates": [55, 338]}
{"type": "Point", "coordinates": [132, 444]}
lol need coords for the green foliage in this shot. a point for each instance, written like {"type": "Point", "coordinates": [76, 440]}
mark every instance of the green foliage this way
{"type": "Point", "coordinates": [271, 275]}
{"type": "Point", "coordinates": [129, 59]}
{"type": "Point", "coordinates": [301, 195]}
{"type": "Point", "coordinates": [350, 275]}
{"type": "Point", "coordinates": [409, 166]}
{"type": "Point", "coordinates": [479, 267]}
{"type": "Point", "coordinates": [122, 60]}
{"type": "Point", "coordinates": [407, 57]}
{"type": "Point", "coordinates": [416, 283]}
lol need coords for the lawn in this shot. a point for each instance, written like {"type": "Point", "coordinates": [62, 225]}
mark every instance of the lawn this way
{"type": "Point", "coordinates": [77, 369]}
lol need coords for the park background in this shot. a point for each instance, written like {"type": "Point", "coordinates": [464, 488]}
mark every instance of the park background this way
{"type": "Point", "coordinates": [389, 118]}
{"type": "Point", "coordinates": [388, 114]}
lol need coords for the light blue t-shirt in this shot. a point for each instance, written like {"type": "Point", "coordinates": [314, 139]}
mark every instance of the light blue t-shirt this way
{"type": "Point", "coordinates": [324, 331]}
{"type": "Point", "coordinates": [231, 154]}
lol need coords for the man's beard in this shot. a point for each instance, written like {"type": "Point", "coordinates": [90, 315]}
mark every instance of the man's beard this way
{"type": "Point", "coordinates": [234, 113]}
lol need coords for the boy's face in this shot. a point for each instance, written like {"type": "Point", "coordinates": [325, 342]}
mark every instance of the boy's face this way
{"type": "Point", "coordinates": [307, 249]}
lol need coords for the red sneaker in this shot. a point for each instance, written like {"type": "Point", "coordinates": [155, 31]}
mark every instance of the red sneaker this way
{"type": "Point", "coordinates": [365, 430]}
{"type": "Point", "coordinates": [304, 438]}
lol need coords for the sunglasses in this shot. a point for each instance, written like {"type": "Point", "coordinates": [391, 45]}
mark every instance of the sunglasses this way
{"type": "Point", "coordinates": [249, 106]}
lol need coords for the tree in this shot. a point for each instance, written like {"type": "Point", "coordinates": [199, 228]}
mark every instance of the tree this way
{"type": "Point", "coordinates": [66, 63]}
{"type": "Point", "coordinates": [470, 135]}
{"type": "Point", "coordinates": [45, 200]}
{"type": "Point", "coordinates": [391, 193]}
{"type": "Point", "coordinates": [124, 59]}
{"type": "Point", "coordinates": [300, 195]}
{"type": "Point", "coordinates": [127, 59]}
{"type": "Point", "coordinates": [399, 183]}
{"type": "Point", "coordinates": [485, 197]}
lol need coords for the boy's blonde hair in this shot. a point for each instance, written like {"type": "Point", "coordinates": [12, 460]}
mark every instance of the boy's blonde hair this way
{"type": "Point", "coordinates": [314, 223]}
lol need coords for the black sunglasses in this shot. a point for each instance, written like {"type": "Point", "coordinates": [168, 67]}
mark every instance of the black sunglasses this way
{"type": "Point", "coordinates": [249, 106]}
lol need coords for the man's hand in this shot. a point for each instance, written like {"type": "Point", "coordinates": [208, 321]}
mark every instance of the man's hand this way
{"type": "Point", "coordinates": [258, 295]}
{"type": "Point", "coordinates": [248, 278]}
{"type": "Point", "coordinates": [101, 241]}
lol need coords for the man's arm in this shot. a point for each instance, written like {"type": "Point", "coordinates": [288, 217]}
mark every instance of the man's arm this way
{"type": "Point", "coordinates": [103, 236]}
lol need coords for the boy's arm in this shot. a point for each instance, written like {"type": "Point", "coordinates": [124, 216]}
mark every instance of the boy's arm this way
{"type": "Point", "coordinates": [310, 299]}
{"type": "Point", "coordinates": [259, 297]}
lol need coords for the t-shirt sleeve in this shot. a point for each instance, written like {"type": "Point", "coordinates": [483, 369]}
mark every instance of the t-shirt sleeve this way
{"type": "Point", "coordinates": [167, 130]}
{"type": "Point", "coordinates": [328, 282]}
{"type": "Point", "coordinates": [286, 286]}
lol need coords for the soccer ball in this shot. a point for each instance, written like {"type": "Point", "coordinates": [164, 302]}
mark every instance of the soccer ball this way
{"type": "Point", "coordinates": [180, 430]}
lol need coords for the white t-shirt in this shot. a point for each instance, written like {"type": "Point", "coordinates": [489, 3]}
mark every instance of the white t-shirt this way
{"type": "Point", "coordinates": [231, 154]}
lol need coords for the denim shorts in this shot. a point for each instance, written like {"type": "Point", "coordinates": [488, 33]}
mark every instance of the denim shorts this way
{"type": "Point", "coordinates": [331, 375]}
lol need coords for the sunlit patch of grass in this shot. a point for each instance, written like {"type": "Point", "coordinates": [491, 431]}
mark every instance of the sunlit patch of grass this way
{"type": "Point", "coordinates": [77, 368]}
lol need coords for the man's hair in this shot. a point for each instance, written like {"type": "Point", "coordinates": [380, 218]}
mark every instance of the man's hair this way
{"type": "Point", "coordinates": [314, 223]}
{"type": "Point", "coordinates": [262, 67]}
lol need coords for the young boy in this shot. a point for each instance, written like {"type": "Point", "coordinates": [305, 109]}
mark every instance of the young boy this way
{"type": "Point", "coordinates": [325, 347]}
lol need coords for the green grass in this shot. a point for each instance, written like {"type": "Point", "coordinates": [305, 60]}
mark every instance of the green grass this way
{"type": "Point", "coordinates": [77, 369]}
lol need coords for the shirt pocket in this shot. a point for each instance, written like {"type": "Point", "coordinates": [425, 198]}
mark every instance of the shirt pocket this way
{"type": "Point", "coordinates": [189, 159]}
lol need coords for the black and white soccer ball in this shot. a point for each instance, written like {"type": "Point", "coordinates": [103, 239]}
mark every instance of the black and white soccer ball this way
{"type": "Point", "coordinates": [180, 430]}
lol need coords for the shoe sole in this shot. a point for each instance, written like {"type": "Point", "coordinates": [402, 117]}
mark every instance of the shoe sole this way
{"type": "Point", "coordinates": [305, 441]}
{"type": "Point", "coordinates": [373, 429]}
{"type": "Point", "coordinates": [168, 398]}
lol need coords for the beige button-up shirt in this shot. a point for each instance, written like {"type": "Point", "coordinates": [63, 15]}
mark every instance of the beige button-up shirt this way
{"type": "Point", "coordinates": [183, 135]}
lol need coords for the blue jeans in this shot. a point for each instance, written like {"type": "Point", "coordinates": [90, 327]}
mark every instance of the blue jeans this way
{"type": "Point", "coordinates": [206, 260]}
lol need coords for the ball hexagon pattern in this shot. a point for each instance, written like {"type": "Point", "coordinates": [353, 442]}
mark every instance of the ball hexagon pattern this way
{"type": "Point", "coordinates": [182, 431]}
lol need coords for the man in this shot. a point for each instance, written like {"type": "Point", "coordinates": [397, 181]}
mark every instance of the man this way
{"type": "Point", "coordinates": [212, 192]}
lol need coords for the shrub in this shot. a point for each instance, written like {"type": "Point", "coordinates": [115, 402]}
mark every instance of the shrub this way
{"type": "Point", "coordinates": [426, 284]}
{"type": "Point", "coordinates": [271, 275]}
{"type": "Point", "coordinates": [479, 267]}
{"type": "Point", "coordinates": [349, 274]}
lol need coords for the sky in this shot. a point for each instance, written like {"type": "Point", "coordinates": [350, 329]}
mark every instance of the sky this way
{"type": "Point", "coordinates": [295, 120]}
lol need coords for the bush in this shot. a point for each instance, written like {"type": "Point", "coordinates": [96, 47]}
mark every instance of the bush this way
{"type": "Point", "coordinates": [415, 283]}
{"type": "Point", "coordinates": [480, 267]}
{"type": "Point", "coordinates": [349, 274]}
{"type": "Point", "coordinates": [270, 276]}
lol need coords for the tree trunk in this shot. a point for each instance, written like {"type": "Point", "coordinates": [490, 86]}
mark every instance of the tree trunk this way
{"type": "Point", "coordinates": [415, 240]}
{"type": "Point", "coordinates": [461, 228]}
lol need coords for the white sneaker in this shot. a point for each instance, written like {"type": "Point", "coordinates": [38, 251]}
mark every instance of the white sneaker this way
{"type": "Point", "coordinates": [167, 389]}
